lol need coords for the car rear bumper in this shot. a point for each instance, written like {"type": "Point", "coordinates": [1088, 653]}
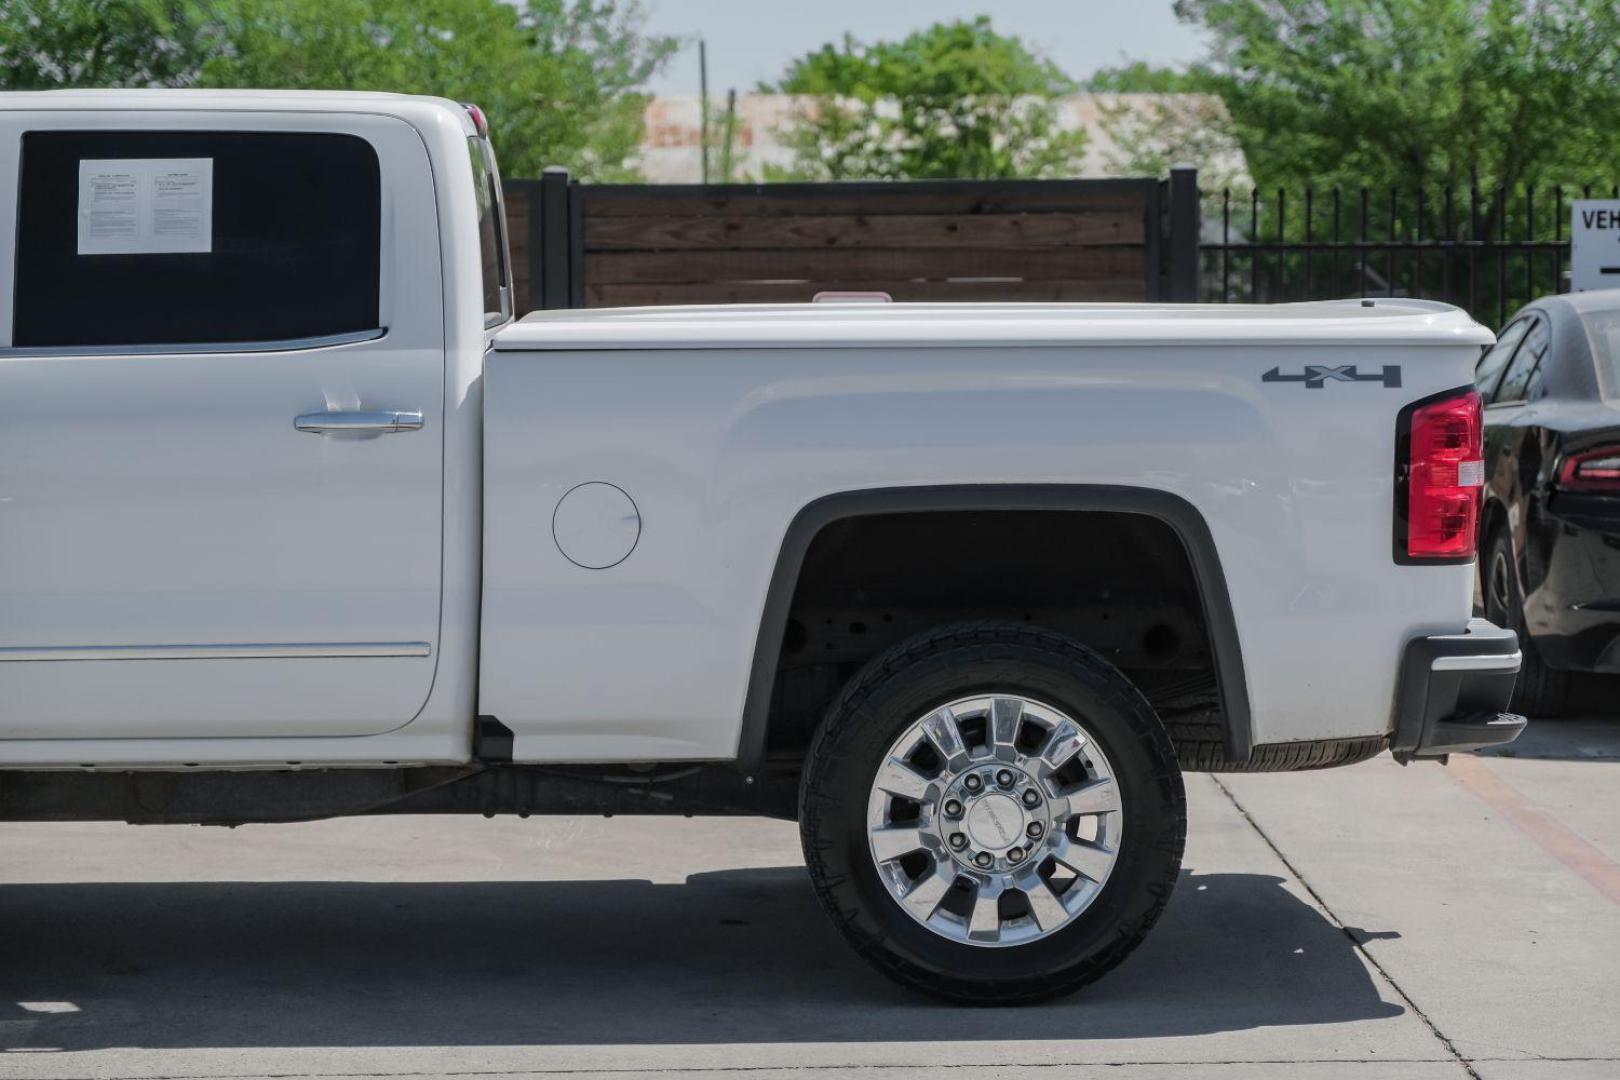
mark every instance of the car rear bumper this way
{"type": "Point", "coordinates": [1454, 692]}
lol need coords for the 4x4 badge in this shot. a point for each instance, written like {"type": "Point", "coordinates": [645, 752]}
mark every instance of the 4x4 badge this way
{"type": "Point", "coordinates": [1317, 376]}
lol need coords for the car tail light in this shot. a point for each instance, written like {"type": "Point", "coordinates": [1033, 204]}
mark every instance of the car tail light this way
{"type": "Point", "coordinates": [1439, 470]}
{"type": "Point", "coordinates": [480, 122]}
{"type": "Point", "coordinates": [1591, 470]}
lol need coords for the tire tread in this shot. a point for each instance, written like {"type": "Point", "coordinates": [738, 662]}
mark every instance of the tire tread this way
{"type": "Point", "coordinates": [984, 639]}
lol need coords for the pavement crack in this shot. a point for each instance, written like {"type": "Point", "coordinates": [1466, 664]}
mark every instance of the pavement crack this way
{"type": "Point", "coordinates": [1355, 942]}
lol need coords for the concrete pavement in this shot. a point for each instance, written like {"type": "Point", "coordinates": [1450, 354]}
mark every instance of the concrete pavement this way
{"type": "Point", "coordinates": [1373, 922]}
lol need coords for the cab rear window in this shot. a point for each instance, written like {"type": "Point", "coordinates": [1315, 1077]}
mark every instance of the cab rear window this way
{"type": "Point", "coordinates": [491, 242]}
{"type": "Point", "coordinates": [151, 238]}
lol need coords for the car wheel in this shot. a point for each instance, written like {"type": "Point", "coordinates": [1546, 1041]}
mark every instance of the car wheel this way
{"type": "Point", "coordinates": [991, 813]}
{"type": "Point", "coordinates": [1540, 691]}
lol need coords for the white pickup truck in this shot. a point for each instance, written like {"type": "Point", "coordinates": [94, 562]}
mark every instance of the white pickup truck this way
{"type": "Point", "coordinates": [297, 522]}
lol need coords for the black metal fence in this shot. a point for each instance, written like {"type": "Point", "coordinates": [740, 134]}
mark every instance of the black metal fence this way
{"type": "Point", "coordinates": [1487, 251]}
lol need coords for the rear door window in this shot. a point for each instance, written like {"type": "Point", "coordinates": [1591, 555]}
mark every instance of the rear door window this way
{"type": "Point", "coordinates": [187, 238]}
{"type": "Point", "coordinates": [1489, 370]}
{"type": "Point", "coordinates": [1525, 363]}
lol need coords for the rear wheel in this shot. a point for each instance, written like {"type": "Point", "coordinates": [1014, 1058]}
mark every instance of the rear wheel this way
{"type": "Point", "coordinates": [1540, 691]}
{"type": "Point", "coordinates": [992, 813]}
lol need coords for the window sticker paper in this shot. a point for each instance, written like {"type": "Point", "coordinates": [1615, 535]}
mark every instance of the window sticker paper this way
{"type": "Point", "coordinates": [146, 206]}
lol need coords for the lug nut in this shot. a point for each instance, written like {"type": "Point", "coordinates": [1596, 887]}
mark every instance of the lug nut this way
{"type": "Point", "coordinates": [1004, 778]}
{"type": "Point", "coordinates": [1034, 830]}
{"type": "Point", "coordinates": [1032, 797]}
{"type": "Point", "coordinates": [953, 808]}
{"type": "Point", "coordinates": [1015, 855]}
{"type": "Point", "coordinates": [958, 841]}
{"type": "Point", "coordinates": [972, 782]}
{"type": "Point", "coordinates": [983, 859]}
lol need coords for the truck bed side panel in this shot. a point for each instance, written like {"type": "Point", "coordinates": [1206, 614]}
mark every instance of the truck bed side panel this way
{"type": "Point", "coordinates": [719, 450]}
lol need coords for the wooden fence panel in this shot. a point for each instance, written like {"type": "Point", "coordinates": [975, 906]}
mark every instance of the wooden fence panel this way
{"type": "Point", "coordinates": [1124, 225]}
{"type": "Point", "coordinates": [519, 197]}
{"type": "Point", "coordinates": [984, 240]}
{"type": "Point", "coordinates": [825, 266]}
{"type": "Point", "coordinates": [843, 197]}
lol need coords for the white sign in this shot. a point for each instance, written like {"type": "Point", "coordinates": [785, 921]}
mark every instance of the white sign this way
{"type": "Point", "coordinates": [146, 206]}
{"type": "Point", "coordinates": [1594, 251]}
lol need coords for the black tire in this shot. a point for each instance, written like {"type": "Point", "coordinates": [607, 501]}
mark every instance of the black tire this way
{"type": "Point", "coordinates": [1540, 691]}
{"type": "Point", "coordinates": [915, 677]}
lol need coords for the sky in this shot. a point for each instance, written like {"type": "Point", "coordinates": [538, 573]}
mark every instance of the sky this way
{"type": "Point", "coordinates": [750, 40]}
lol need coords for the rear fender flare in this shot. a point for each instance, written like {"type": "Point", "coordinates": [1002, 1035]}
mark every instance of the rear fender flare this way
{"type": "Point", "coordinates": [1173, 510]}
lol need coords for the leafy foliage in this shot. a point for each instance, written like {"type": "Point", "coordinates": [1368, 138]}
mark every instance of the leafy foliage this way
{"type": "Point", "coordinates": [63, 44]}
{"type": "Point", "coordinates": [1140, 77]}
{"type": "Point", "coordinates": [1418, 92]}
{"type": "Point", "coordinates": [954, 100]}
{"type": "Point", "coordinates": [558, 79]}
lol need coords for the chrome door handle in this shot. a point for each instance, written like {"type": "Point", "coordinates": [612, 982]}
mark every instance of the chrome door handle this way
{"type": "Point", "coordinates": [385, 420]}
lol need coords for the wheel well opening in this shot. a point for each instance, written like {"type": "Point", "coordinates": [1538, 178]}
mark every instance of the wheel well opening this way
{"type": "Point", "coordinates": [1121, 582]}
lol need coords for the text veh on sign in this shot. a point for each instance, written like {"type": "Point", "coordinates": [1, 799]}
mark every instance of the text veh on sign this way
{"type": "Point", "coordinates": [1594, 260]}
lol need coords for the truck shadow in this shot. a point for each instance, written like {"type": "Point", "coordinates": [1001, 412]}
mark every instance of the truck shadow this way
{"type": "Point", "coordinates": [726, 957]}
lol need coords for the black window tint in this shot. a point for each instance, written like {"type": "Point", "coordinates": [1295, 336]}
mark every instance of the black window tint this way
{"type": "Point", "coordinates": [1489, 370]}
{"type": "Point", "coordinates": [295, 251]}
{"type": "Point", "coordinates": [1525, 361]}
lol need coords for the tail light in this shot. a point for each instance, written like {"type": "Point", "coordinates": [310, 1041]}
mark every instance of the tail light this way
{"type": "Point", "coordinates": [1439, 470]}
{"type": "Point", "coordinates": [1591, 470]}
{"type": "Point", "coordinates": [480, 121]}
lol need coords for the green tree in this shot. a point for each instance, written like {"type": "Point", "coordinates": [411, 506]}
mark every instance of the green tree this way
{"type": "Point", "coordinates": [1140, 77]}
{"type": "Point", "coordinates": [558, 79]}
{"type": "Point", "coordinates": [954, 100]}
{"type": "Point", "coordinates": [63, 44]}
{"type": "Point", "coordinates": [1416, 93]}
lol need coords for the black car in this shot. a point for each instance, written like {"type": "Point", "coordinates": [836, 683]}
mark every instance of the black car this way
{"type": "Point", "coordinates": [1550, 527]}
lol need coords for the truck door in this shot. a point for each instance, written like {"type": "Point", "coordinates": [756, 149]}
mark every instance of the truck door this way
{"type": "Point", "coordinates": [221, 402]}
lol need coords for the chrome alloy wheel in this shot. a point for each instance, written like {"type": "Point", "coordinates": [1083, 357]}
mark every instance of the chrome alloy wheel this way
{"type": "Point", "coordinates": [994, 820]}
